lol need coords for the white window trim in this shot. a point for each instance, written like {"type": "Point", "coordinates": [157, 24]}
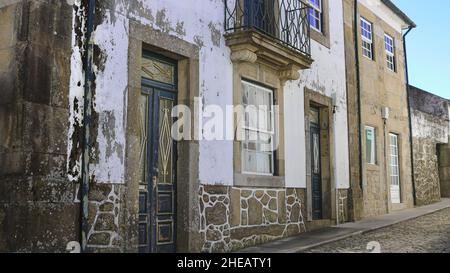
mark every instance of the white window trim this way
{"type": "Point", "coordinates": [373, 157]}
{"type": "Point", "coordinates": [395, 165]}
{"type": "Point", "coordinates": [318, 9]}
{"type": "Point", "coordinates": [388, 53]}
{"type": "Point", "coordinates": [272, 132]}
{"type": "Point", "coordinates": [364, 38]}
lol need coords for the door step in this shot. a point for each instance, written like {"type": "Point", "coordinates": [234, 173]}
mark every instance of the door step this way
{"type": "Point", "coordinates": [319, 224]}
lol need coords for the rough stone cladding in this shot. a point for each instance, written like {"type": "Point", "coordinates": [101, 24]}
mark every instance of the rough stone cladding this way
{"type": "Point", "coordinates": [233, 218]}
{"type": "Point", "coordinates": [430, 129]}
{"type": "Point", "coordinates": [444, 169]}
{"type": "Point", "coordinates": [38, 207]}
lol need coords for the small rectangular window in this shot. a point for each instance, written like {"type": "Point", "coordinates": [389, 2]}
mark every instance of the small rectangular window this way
{"type": "Point", "coordinates": [315, 14]}
{"type": "Point", "coordinates": [367, 38]}
{"type": "Point", "coordinates": [370, 145]}
{"type": "Point", "coordinates": [258, 146]}
{"type": "Point", "coordinates": [389, 45]}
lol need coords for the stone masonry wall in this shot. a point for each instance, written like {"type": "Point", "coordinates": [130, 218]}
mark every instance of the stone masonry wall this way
{"type": "Point", "coordinates": [444, 169]}
{"type": "Point", "coordinates": [234, 218]}
{"type": "Point", "coordinates": [426, 171]}
{"type": "Point", "coordinates": [39, 211]}
{"type": "Point", "coordinates": [430, 129]}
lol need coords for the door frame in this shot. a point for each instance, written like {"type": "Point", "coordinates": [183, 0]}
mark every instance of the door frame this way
{"type": "Point", "coordinates": [314, 98]}
{"type": "Point", "coordinates": [400, 199]}
{"type": "Point", "coordinates": [154, 90]}
{"type": "Point", "coordinates": [315, 127]}
{"type": "Point", "coordinates": [144, 38]}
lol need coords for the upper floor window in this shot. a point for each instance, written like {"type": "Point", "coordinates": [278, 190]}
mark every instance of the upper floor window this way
{"type": "Point", "coordinates": [260, 14]}
{"type": "Point", "coordinates": [258, 146]}
{"type": "Point", "coordinates": [389, 45]}
{"type": "Point", "coordinates": [315, 14]}
{"type": "Point", "coordinates": [367, 38]}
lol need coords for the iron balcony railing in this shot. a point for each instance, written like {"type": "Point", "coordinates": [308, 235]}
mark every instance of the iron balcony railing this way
{"type": "Point", "coordinates": [284, 20]}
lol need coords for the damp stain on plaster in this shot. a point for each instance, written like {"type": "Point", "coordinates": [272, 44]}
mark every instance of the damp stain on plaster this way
{"type": "Point", "coordinates": [216, 35]}
{"type": "Point", "coordinates": [162, 21]}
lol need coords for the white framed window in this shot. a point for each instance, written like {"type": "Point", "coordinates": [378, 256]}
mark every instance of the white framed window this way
{"type": "Point", "coordinates": [371, 157]}
{"type": "Point", "coordinates": [367, 38]}
{"type": "Point", "coordinates": [315, 14]}
{"type": "Point", "coordinates": [258, 125]}
{"type": "Point", "coordinates": [389, 45]}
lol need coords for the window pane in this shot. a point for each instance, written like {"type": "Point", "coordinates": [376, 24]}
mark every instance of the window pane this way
{"type": "Point", "coordinates": [257, 148]}
{"type": "Point", "coordinates": [315, 14]}
{"type": "Point", "coordinates": [370, 145]}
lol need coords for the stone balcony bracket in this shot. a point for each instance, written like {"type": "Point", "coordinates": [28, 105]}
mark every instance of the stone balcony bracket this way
{"type": "Point", "coordinates": [255, 47]}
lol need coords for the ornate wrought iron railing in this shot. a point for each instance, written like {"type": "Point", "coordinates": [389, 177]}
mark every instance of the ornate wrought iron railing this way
{"type": "Point", "coordinates": [284, 20]}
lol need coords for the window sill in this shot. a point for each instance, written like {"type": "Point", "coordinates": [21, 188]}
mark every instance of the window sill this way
{"type": "Point", "coordinates": [372, 167]}
{"type": "Point", "coordinates": [368, 58]}
{"type": "Point", "coordinates": [245, 180]}
{"type": "Point", "coordinates": [320, 37]}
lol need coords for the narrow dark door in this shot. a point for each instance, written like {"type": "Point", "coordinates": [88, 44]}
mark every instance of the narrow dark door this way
{"type": "Point", "coordinates": [157, 218]}
{"type": "Point", "coordinates": [316, 176]}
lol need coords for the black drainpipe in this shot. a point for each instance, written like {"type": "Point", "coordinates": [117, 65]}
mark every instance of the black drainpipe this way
{"type": "Point", "coordinates": [87, 112]}
{"type": "Point", "coordinates": [410, 117]}
{"type": "Point", "coordinates": [358, 88]}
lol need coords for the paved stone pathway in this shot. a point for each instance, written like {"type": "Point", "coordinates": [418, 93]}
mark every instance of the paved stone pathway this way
{"type": "Point", "coordinates": [427, 234]}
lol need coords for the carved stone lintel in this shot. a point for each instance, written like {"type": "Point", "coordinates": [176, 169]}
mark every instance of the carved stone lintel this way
{"type": "Point", "coordinates": [244, 55]}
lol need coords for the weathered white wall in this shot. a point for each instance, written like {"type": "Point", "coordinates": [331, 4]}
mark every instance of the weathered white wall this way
{"type": "Point", "coordinates": [328, 77]}
{"type": "Point", "coordinates": [109, 97]}
{"type": "Point", "coordinates": [426, 126]}
{"type": "Point", "coordinates": [201, 22]}
{"type": "Point", "coordinates": [196, 21]}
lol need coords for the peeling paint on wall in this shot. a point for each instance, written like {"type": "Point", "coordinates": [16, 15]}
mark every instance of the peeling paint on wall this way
{"type": "Point", "coordinates": [203, 25]}
{"type": "Point", "coordinates": [76, 93]}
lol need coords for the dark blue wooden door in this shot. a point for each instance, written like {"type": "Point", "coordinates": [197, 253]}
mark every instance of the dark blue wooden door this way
{"type": "Point", "coordinates": [157, 202]}
{"type": "Point", "coordinates": [316, 173]}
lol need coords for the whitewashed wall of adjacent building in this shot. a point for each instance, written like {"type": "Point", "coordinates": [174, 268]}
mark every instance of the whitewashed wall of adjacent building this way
{"type": "Point", "coordinates": [201, 22]}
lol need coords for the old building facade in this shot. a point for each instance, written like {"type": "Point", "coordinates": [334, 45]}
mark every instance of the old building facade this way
{"type": "Point", "coordinates": [87, 107]}
{"type": "Point", "coordinates": [444, 164]}
{"type": "Point", "coordinates": [430, 129]}
{"type": "Point", "coordinates": [127, 126]}
{"type": "Point", "coordinates": [380, 154]}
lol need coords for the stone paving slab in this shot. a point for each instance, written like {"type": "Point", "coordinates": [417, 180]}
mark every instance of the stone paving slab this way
{"type": "Point", "coordinates": [325, 236]}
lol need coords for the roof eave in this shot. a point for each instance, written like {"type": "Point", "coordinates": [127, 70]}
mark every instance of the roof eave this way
{"type": "Point", "coordinates": [400, 13]}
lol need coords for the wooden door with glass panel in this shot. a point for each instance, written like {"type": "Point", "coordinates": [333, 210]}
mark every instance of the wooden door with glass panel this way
{"type": "Point", "coordinates": [157, 191]}
{"type": "Point", "coordinates": [316, 164]}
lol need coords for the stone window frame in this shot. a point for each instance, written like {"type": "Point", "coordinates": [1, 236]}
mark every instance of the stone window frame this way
{"type": "Point", "coordinates": [378, 149]}
{"type": "Point", "coordinates": [144, 38]}
{"type": "Point", "coordinates": [323, 37]}
{"type": "Point", "coordinates": [392, 54]}
{"type": "Point", "coordinates": [258, 130]}
{"type": "Point", "coordinates": [364, 39]}
{"type": "Point", "coordinates": [375, 144]}
{"type": "Point", "coordinates": [263, 75]}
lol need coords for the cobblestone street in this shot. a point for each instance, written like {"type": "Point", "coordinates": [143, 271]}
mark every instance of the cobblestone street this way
{"type": "Point", "coordinates": [427, 234]}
